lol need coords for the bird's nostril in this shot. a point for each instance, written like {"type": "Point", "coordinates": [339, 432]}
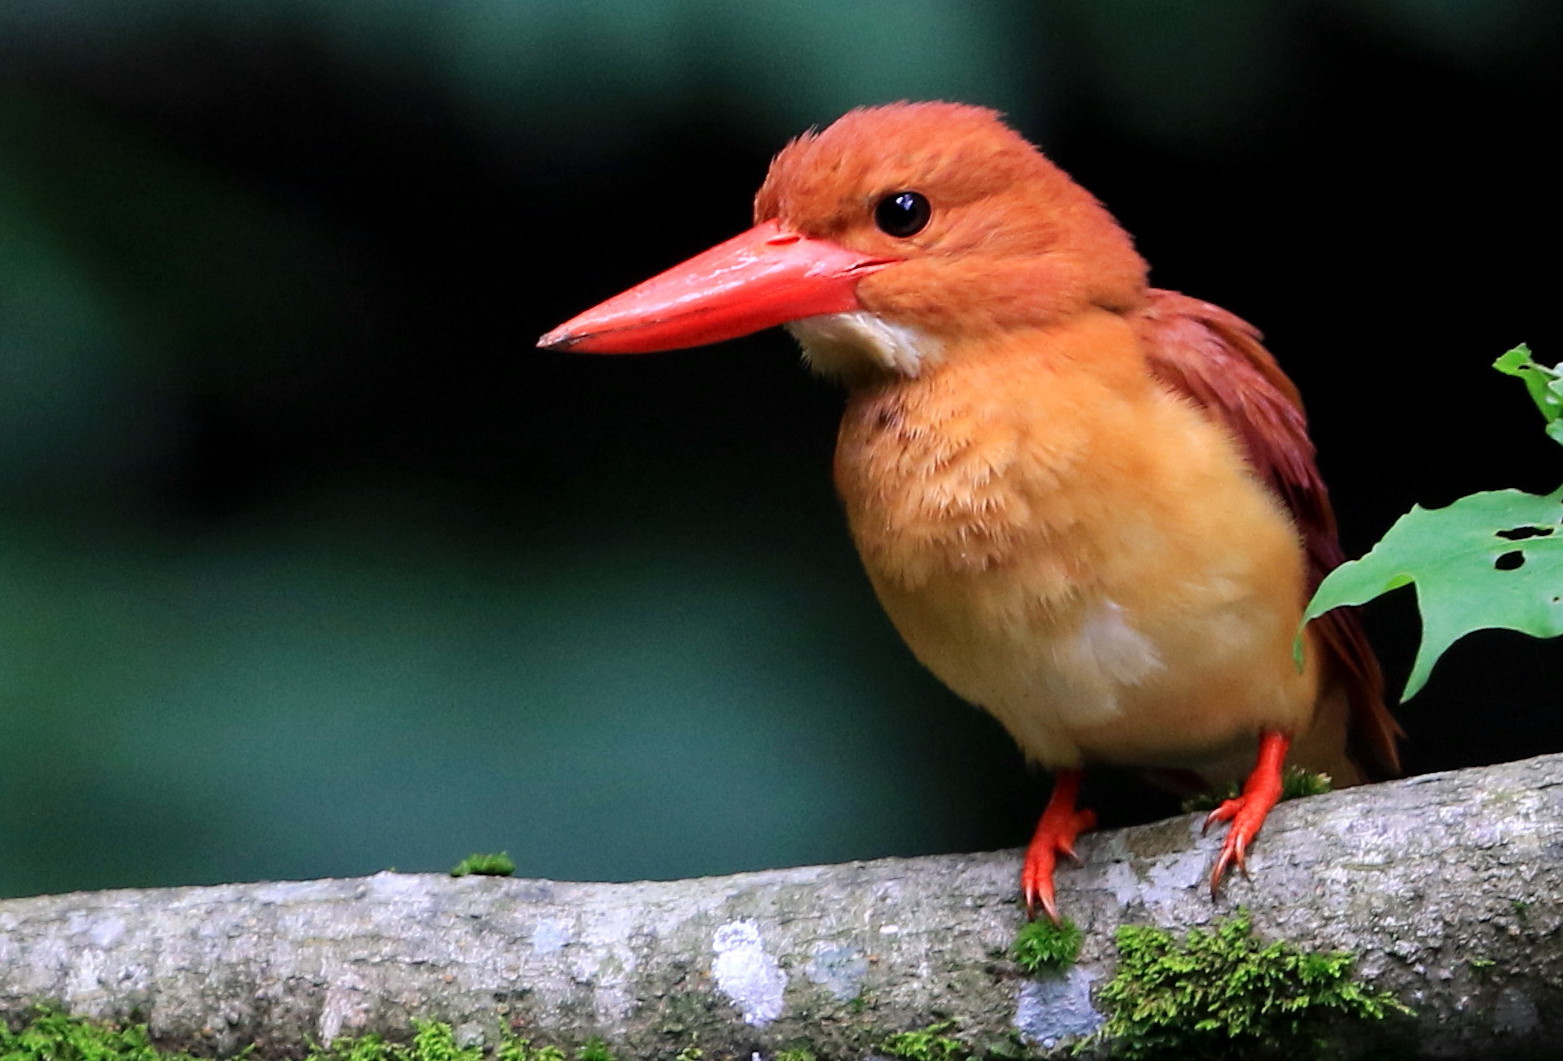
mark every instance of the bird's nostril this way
{"type": "Point", "coordinates": [782, 239]}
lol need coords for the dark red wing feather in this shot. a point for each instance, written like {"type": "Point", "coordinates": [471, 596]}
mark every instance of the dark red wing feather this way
{"type": "Point", "coordinates": [1216, 359]}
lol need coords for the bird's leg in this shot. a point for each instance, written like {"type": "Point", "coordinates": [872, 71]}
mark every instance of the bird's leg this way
{"type": "Point", "coordinates": [1061, 822]}
{"type": "Point", "coordinates": [1248, 811]}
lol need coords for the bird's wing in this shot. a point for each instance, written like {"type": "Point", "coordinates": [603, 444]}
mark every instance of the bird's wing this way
{"type": "Point", "coordinates": [1216, 359]}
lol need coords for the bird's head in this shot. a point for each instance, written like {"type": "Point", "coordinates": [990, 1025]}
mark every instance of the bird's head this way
{"type": "Point", "coordinates": [884, 242]}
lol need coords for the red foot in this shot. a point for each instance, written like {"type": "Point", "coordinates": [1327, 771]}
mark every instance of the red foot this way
{"type": "Point", "coordinates": [1055, 836]}
{"type": "Point", "coordinates": [1247, 812]}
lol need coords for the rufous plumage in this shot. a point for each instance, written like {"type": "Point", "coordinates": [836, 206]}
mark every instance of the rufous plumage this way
{"type": "Point", "coordinates": [1088, 506]}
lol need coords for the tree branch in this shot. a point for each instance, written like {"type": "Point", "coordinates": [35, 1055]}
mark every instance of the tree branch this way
{"type": "Point", "coordinates": [1428, 880]}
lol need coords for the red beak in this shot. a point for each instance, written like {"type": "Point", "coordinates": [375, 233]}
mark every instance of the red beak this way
{"type": "Point", "coordinates": [763, 277]}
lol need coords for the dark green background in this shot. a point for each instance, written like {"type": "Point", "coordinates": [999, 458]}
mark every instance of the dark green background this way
{"type": "Point", "coordinates": [311, 565]}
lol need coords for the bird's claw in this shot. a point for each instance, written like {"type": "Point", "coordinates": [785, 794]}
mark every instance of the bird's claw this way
{"type": "Point", "coordinates": [1040, 895]}
{"type": "Point", "coordinates": [1234, 848]}
{"type": "Point", "coordinates": [1225, 812]}
{"type": "Point", "coordinates": [1247, 812]}
{"type": "Point", "coordinates": [1036, 879]}
{"type": "Point", "coordinates": [1061, 823]}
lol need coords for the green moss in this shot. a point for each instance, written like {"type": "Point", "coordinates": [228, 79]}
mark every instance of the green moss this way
{"type": "Point", "coordinates": [500, 865]}
{"type": "Point", "coordinates": [1041, 946]}
{"type": "Point", "coordinates": [796, 1054]}
{"type": "Point", "coordinates": [49, 1035]}
{"type": "Point", "coordinates": [1010, 1049]}
{"type": "Point", "coordinates": [1296, 783]}
{"type": "Point", "coordinates": [431, 1041]}
{"type": "Point", "coordinates": [515, 1048]}
{"type": "Point", "coordinates": [436, 1041]}
{"type": "Point", "coordinates": [595, 1050]}
{"type": "Point", "coordinates": [927, 1044]}
{"type": "Point", "coordinates": [1223, 994]}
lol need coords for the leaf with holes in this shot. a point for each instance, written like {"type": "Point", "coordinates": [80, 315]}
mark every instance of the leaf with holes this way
{"type": "Point", "coordinates": [1544, 384]}
{"type": "Point", "coordinates": [1490, 560]}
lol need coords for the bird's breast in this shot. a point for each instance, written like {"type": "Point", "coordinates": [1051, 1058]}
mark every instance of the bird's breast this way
{"type": "Point", "coordinates": [1078, 551]}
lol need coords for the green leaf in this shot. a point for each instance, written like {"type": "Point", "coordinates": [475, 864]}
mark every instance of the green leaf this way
{"type": "Point", "coordinates": [1544, 384]}
{"type": "Point", "coordinates": [1490, 560]}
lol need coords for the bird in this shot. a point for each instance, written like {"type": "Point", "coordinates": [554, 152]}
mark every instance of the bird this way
{"type": "Point", "coordinates": [1089, 506]}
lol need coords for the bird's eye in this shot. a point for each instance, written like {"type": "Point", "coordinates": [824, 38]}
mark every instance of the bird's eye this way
{"type": "Point", "coordinates": [903, 214]}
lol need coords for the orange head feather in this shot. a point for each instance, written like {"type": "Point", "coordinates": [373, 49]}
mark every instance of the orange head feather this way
{"type": "Point", "coordinates": [1010, 242]}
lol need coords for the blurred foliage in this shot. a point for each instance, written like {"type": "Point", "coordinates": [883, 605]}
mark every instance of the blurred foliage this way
{"type": "Point", "coordinates": [310, 565]}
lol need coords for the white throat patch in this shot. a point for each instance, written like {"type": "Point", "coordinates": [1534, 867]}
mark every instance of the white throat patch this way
{"type": "Point", "coordinates": [839, 344]}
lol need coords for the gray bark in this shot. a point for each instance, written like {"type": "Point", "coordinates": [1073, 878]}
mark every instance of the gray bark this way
{"type": "Point", "coordinates": [1427, 880]}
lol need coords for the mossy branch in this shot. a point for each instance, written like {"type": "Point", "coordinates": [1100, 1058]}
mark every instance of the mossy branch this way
{"type": "Point", "coordinates": [1443, 889]}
